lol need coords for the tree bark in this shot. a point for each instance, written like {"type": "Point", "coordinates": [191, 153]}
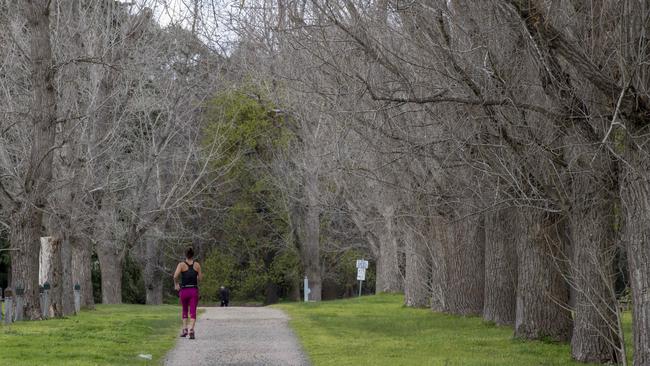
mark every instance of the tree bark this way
{"type": "Point", "coordinates": [154, 290]}
{"type": "Point", "coordinates": [25, 239]}
{"type": "Point", "coordinates": [82, 271]}
{"type": "Point", "coordinates": [308, 228]}
{"type": "Point", "coordinates": [111, 262]}
{"type": "Point", "coordinates": [465, 257]}
{"type": "Point", "coordinates": [67, 291]}
{"type": "Point", "coordinates": [418, 272]}
{"type": "Point", "coordinates": [55, 276]}
{"type": "Point", "coordinates": [389, 278]}
{"type": "Point", "coordinates": [60, 278]}
{"type": "Point", "coordinates": [595, 330]}
{"type": "Point", "coordinates": [153, 278]}
{"type": "Point", "coordinates": [542, 292]}
{"type": "Point", "coordinates": [635, 199]}
{"type": "Point", "coordinates": [439, 236]}
{"type": "Point", "coordinates": [500, 266]}
{"type": "Point", "coordinates": [55, 269]}
{"type": "Point", "coordinates": [28, 218]}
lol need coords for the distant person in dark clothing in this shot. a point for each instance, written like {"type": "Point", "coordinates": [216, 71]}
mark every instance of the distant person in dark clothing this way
{"type": "Point", "coordinates": [224, 295]}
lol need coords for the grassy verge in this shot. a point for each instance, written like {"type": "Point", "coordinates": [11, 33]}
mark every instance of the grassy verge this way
{"type": "Point", "coordinates": [109, 335]}
{"type": "Point", "coordinates": [379, 330]}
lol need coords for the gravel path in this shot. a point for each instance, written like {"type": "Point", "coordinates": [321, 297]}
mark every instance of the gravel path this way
{"type": "Point", "coordinates": [240, 336]}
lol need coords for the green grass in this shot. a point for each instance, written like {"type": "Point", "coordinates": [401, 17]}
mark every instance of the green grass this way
{"type": "Point", "coordinates": [109, 335]}
{"type": "Point", "coordinates": [379, 330]}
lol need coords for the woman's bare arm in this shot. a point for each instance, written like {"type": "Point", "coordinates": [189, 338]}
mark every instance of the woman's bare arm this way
{"type": "Point", "coordinates": [177, 274]}
{"type": "Point", "coordinates": [198, 270]}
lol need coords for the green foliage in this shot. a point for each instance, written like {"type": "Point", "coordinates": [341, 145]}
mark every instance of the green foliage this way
{"type": "Point", "coordinates": [244, 122]}
{"type": "Point", "coordinates": [218, 270]}
{"type": "Point", "coordinates": [133, 290]}
{"type": "Point", "coordinates": [379, 330]}
{"type": "Point", "coordinates": [110, 335]}
{"type": "Point", "coordinates": [253, 255]}
{"type": "Point", "coordinates": [248, 280]}
{"type": "Point", "coordinates": [343, 272]}
{"type": "Point", "coordinates": [96, 278]}
{"type": "Point", "coordinates": [286, 269]}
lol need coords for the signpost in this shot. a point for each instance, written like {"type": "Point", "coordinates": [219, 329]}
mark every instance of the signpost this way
{"type": "Point", "coordinates": [362, 265]}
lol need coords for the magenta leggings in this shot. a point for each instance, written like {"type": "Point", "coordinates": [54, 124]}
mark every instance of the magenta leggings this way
{"type": "Point", "coordinates": [189, 299]}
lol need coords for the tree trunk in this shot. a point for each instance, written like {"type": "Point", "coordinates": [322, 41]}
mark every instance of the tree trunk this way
{"type": "Point", "coordinates": [500, 266]}
{"type": "Point", "coordinates": [270, 293]}
{"type": "Point", "coordinates": [82, 271]}
{"type": "Point", "coordinates": [294, 292]}
{"type": "Point", "coordinates": [439, 236]}
{"type": "Point", "coordinates": [154, 290]}
{"type": "Point", "coordinates": [388, 275]}
{"type": "Point", "coordinates": [25, 239]}
{"type": "Point", "coordinates": [595, 329]}
{"type": "Point", "coordinates": [67, 291]}
{"type": "Point", "coordinates": [153, 278]}
{"type": "Point", "coordinates": [542, 292]}
{"type": "Point", "coordinates": [27, 218]}
{"type": "Point", "coordinates": [465, 257]}
{"type": "Point", "coordinates": [389, 278]}
{"type": "Point", "coordinates": [55, 276]}
{"type": "Point", "coordinates": [111, 262]}
{"type": "Point", "coordinates": [635, 199]}
{"type": "Point", "coordinates": [56, 262]}
{"type": "Point", "coordinates": [308, 227]}
{"type": "Point", "coordinates": [418, 272]}
{"type": "Point", "coordinates": [68, 163]}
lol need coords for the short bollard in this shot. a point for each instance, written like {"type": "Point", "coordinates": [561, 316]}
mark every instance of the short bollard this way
{"type": "Point", "coordinates": [77, 298]}
{"type": "Point", "coordinates": [41, 293]}
{"type": "Point", "coordinates": [306, 289]}
{"type": "Point", "coordinates": [9, 306]}
{"type": "Point", "coordinates": [19, 309]}
{"type": "Point", "coordinates": [45, 300]}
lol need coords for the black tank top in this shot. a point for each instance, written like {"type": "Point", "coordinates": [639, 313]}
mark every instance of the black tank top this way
{"type": "Point", "coordinates": [190, 277]}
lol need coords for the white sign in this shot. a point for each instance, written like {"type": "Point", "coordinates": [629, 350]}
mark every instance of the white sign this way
{"type": "Point", "coordinates": [361, 274]}
{"type": "Point", "coordinates": [362, 263]}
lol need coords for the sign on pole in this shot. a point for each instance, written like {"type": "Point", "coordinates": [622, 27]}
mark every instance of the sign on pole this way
{"type": "Point", "coordinates": [362, 265]}
{"type": "Point", "coordinates": [361, 274]}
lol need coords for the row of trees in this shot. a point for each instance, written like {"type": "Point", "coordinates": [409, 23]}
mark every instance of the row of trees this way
{"type": "Point", "coordinates": [100, 142]}
{"type": "Point", "coordinates": [492, 155]}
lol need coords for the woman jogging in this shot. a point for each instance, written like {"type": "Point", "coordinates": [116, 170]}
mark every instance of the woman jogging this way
{"type": "Point", "coordinates": [189, 272]}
